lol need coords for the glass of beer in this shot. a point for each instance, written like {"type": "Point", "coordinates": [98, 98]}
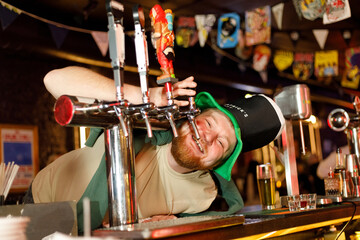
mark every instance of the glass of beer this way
{"type": "Point", "coordinates": [266, 185]}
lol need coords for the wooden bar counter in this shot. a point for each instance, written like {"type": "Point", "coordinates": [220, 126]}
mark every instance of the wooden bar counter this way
{"type": "Point", "coordinates": [259, 224]}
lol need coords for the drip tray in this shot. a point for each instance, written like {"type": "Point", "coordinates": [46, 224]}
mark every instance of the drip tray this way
{"type": "Point", "coordinates": [167, 228]}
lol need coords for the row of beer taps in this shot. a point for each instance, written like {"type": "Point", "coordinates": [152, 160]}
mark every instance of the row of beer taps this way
{"type": "Point", "coordinates": [101, 114]}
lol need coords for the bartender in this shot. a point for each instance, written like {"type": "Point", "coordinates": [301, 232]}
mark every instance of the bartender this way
{"type": "Point", "coordinates": [174, 176]}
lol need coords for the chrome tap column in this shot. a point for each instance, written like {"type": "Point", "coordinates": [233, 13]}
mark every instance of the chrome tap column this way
{"type": "Point", "coordinates": [121, 176]}
{"type": "Point", "coordinates": [294, 102]}
{"type": "Point", "coordinates": [339, 120]}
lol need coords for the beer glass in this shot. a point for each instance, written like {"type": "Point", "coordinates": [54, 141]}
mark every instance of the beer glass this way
{"type": "Point", "coordinates": [266, 185]}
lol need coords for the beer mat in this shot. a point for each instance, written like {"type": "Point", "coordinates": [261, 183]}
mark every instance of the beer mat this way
{"type": "Point", "coordinates": [280, 212]}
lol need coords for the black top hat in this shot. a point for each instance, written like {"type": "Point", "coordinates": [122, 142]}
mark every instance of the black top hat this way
{"type": "Point", "coordinates": [257, 121]}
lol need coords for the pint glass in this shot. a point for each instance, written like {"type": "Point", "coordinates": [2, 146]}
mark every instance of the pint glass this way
{"type": "Point", "coordinates": [266, 185]}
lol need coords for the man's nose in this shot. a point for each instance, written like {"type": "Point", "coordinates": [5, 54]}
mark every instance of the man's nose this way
{"type": "Point", "coordinates": [209, 136]}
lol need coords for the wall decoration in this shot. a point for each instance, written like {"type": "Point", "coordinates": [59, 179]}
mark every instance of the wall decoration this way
{"type": "Point", "coordinates": [19, 144]}
{"type": "Point", "coordinates": [283, 59]}
{"type": "Point", "coordinates": [261, 57]}
{"type": "Point", "coordinates": [326, 63]}
{"type": "Point", "coordinates": [186, 35]}
{"type": "Point", "coordinates": [228, 27]}
{"type": "Point", "coordinates": [312, 9]}
{"type": "Point", "coordinates": [336, 10]}
{"type": "Point", "coordinates": [351, 75]}
{"type": "Point", "coordinates": [303, 66]}
{"type": "Point", "coordinates": [258, 26]}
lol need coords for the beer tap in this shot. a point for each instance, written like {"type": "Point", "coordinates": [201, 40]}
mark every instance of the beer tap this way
{"type": "Point", "coordinates": [171, 109]}
{"type": "Point", "coordinates": [142, 60]}
{"type": "Point", "coordinates": [191, 112]}
{"type": "Point", "coordinates": [115, 11]}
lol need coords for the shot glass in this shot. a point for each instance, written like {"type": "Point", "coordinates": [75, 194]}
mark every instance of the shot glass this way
{"type": "Point", "coordinates": [311, 201]}
{"type": "Point", "coordinates": [294, 203]}
{"type": "Point", "coordinates": [303, 201]}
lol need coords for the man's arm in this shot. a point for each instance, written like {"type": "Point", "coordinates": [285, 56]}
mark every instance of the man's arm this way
{"type": "Point", "coordinates": [83, 82]}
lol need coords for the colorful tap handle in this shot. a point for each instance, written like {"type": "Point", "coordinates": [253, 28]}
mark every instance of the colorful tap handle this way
{"type": "Point", "coordinates": [163, 38]}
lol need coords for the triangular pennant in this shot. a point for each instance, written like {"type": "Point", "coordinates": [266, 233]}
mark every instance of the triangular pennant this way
{"type": "Point", "coordinates": [204, 24]}
{"type": "Point", "coordinates": [7, 16]}
{"type": "Point", "coordinates": [321, 36]}
{"type": "Point", "coordinates": [277, 10]}
{"type": "Point", "coordinates": [58, 34]}
{"type": "Point", "coordinates": [297, 7]}
{"type": "Point", "coordinates": [102, 41]}
{"type": "Point", "coordinates": [203, 34]}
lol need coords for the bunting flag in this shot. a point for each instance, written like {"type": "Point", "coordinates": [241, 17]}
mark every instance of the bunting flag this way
{"type": "Point", "coordinates": [102, 41]}
{"type": "Point", "coordinates": [296, 4]}
{"type": "Point", "coordinates": [58, 34]}
{"type": "Point", "coordinates": [241, 50]}
{"type": "Point", "coordinates": [351, 76]}
{"type": "Point", "coordinates": [228, 27]}
{"type": "Point", "coordinates": [321, 36]}
{"type": "Point", "coordinates": [186, 35]}
{"type": "Point", "coordinates": [7, 15]}
{"type": "Point", "coordinates": [261, 57]}
{"type": "Point", "coordinates": [303, 66]}
{"type": "Point", "coordinates": [313, 9]}
{"type": "Point", "coordinates": [326, 63]}
{"type": "Point", "coordinates": [277, 11]}
{"type": "Point", "coordinates": [283, 59]}
{"type": "Point", "coordinates": [204, 24]}
{"type": "Point", "coordinates": [336, 10]}
{"type": "Point", "coordinates": [258, 26]}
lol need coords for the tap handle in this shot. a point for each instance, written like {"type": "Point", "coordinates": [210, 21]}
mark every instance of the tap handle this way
{"type": "Point", "coordinates": [147, 123]}
{"type": "Point", "coordinates": [170, 118]}
{"type": "Point", "coordinates": [192, 122]}
{"type": "Point", "coordinates": [122, 121]}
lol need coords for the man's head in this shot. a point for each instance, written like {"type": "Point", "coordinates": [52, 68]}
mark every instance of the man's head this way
{"type": "Point", "coordinates": [217, 140]}
{"type": "Point", "coordinates": [242, 125]}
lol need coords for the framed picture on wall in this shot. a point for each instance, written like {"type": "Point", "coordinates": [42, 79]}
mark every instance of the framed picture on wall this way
{"type": "Point", "coordinates": [19, 144]}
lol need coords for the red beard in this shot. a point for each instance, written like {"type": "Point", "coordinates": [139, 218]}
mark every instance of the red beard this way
{"type": "Point", "coordinates": [183, 156]}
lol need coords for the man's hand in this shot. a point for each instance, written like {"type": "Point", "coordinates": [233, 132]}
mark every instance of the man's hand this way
{"type": "Point", "coordinates": [158, 218]}
{"type": "Point", "coordinates": [181, 88]}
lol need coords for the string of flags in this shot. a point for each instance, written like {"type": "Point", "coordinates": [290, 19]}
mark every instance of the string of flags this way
{"type": "Point", "coordinates": [252, 41]}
